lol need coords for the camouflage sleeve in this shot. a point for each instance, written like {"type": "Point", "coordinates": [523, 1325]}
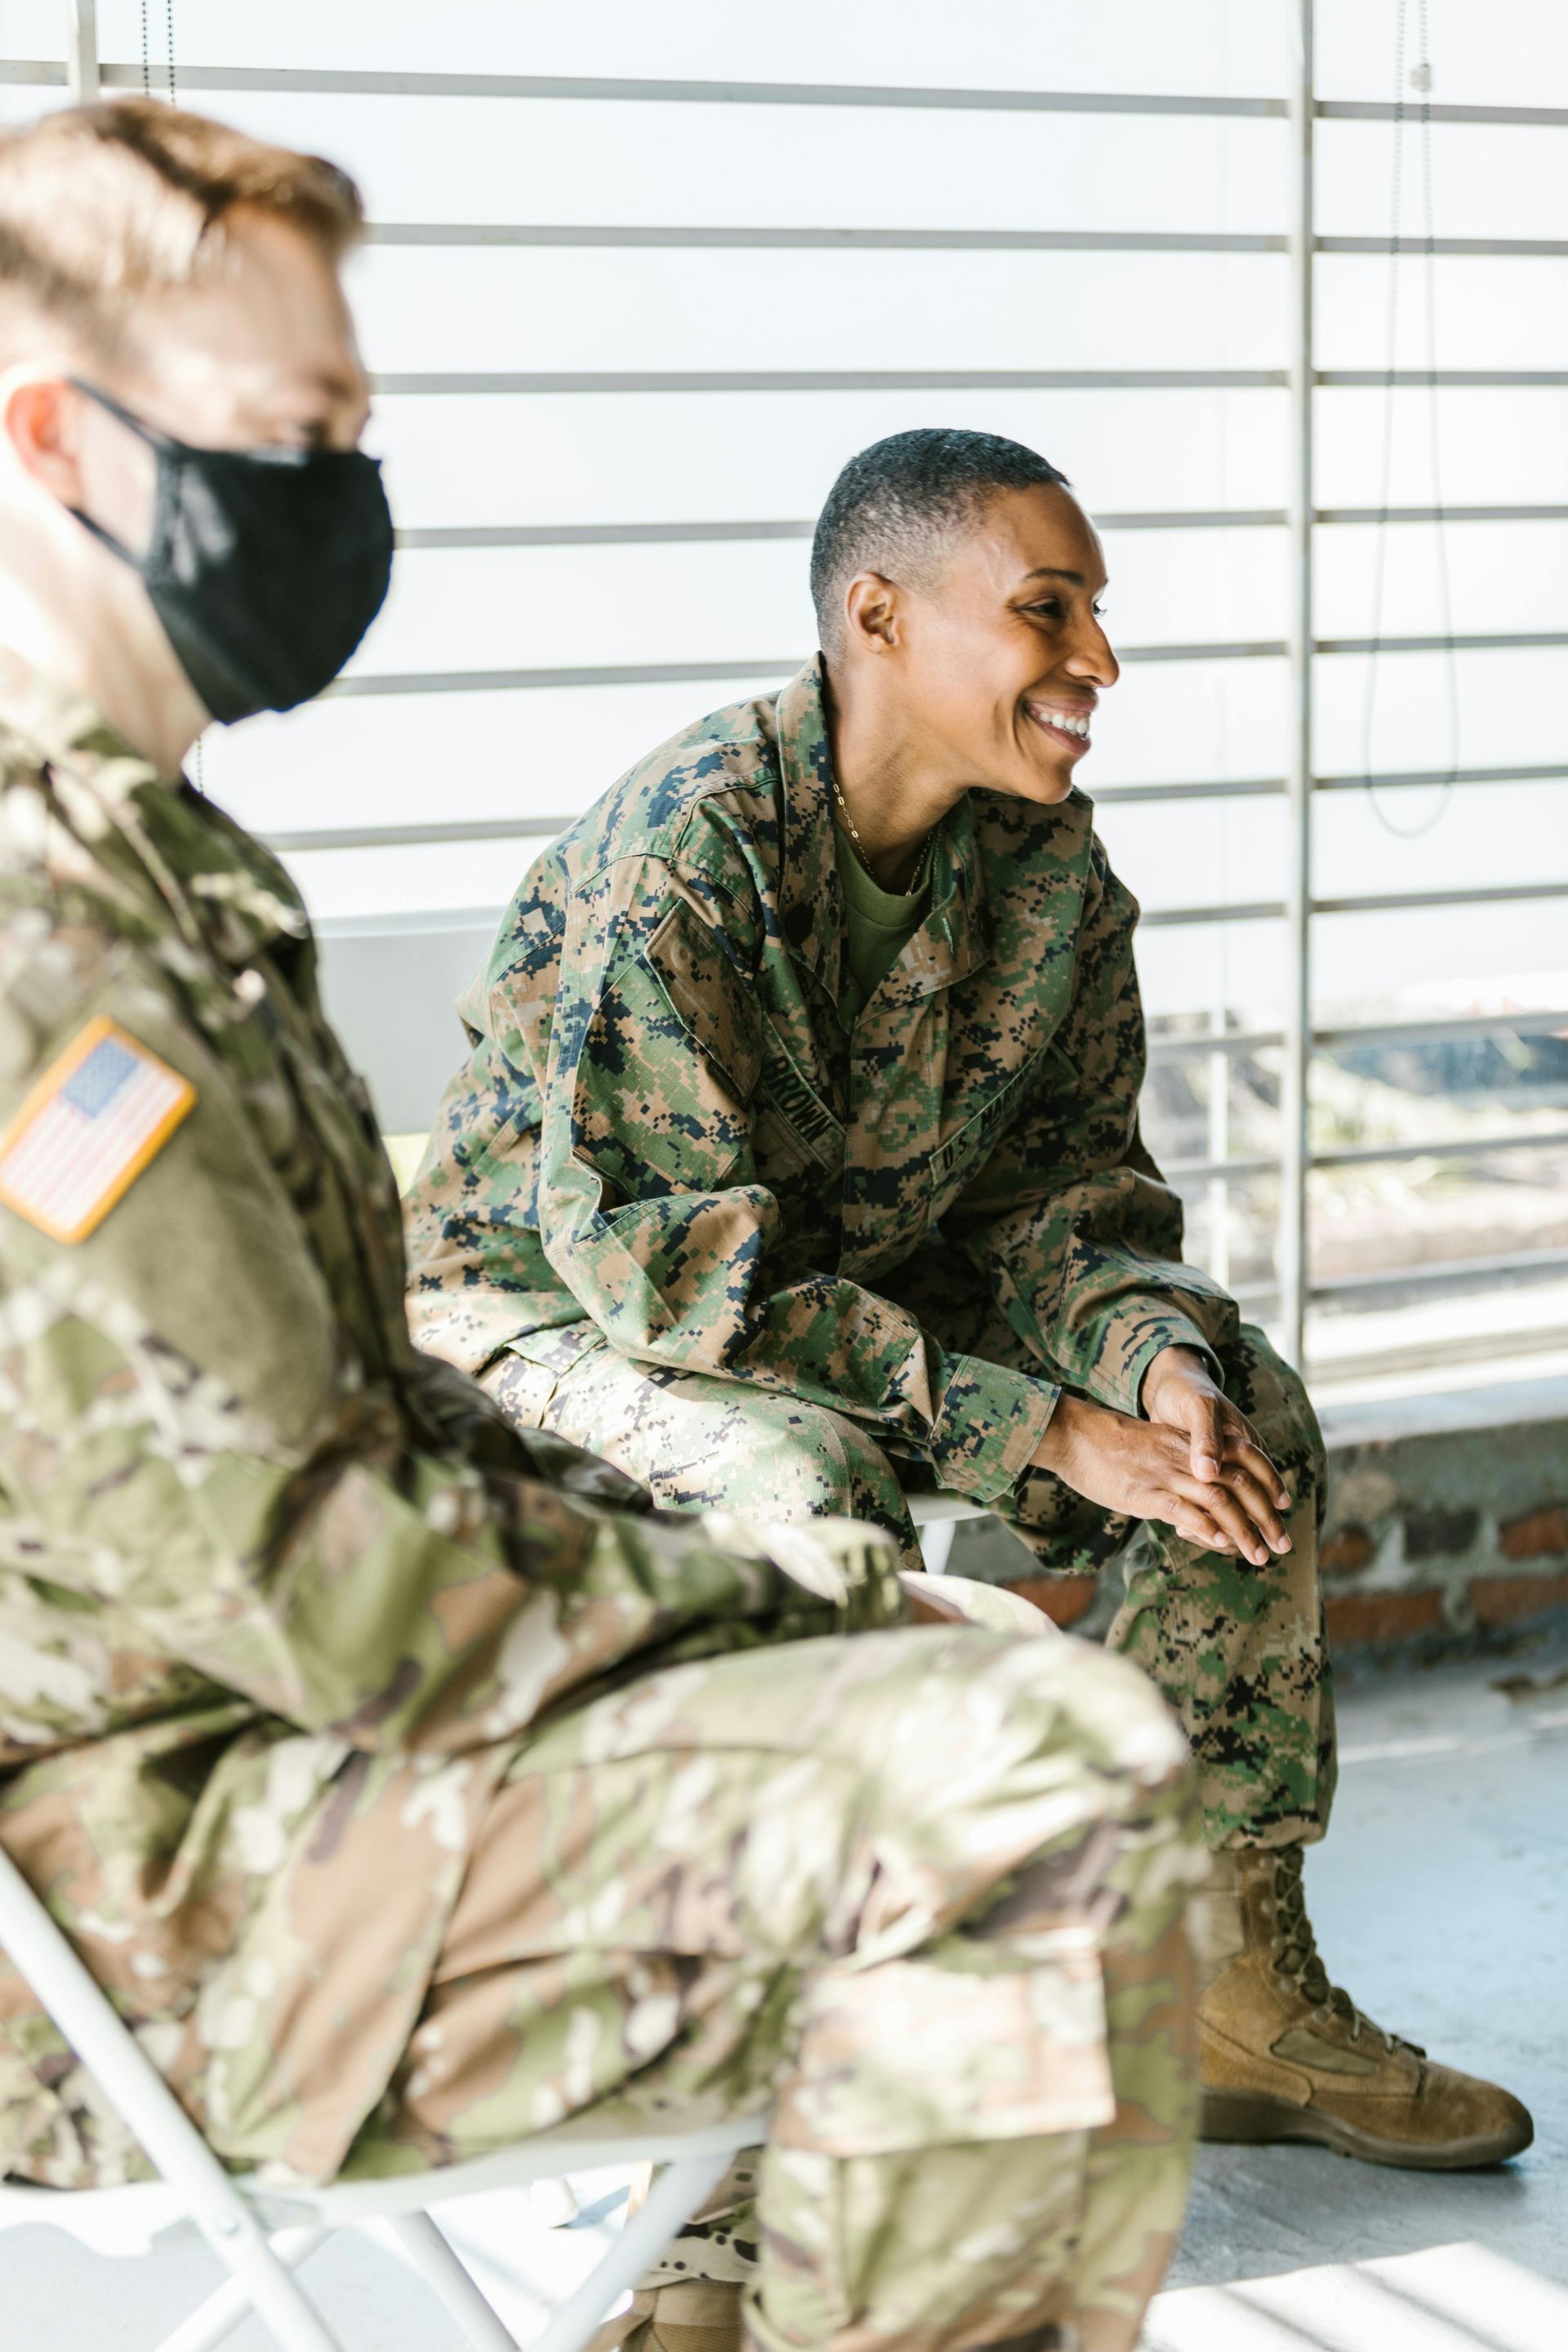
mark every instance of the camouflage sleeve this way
{"type": "Point", "coordinates": [1070, 1218]}
{"type": "Point", "coordinates": [190, 1439]}
{"type": "Point", "coordinates": [653, 1215]}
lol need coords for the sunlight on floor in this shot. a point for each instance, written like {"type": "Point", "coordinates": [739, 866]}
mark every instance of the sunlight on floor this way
{"type": "Point", "coordinates": [1440, 2301]}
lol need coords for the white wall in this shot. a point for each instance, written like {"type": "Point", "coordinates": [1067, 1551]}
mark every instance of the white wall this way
{"type": "Point", "coordinates": [583, 458]}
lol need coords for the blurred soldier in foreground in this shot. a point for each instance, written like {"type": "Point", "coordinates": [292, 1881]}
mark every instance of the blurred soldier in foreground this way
{"type": "Point", "coordinates": [798, 1164]}
{"type": "Point", "coordinates": [407, 1804]}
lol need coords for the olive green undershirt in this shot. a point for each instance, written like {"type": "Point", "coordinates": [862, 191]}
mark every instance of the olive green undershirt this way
{"type": "Point", "coordinates": [877, 922]}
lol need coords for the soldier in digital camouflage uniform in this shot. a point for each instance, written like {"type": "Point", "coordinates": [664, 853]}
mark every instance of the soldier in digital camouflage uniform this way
{"type": "Point", "coordinates": [408, 1801]}
{"type": "Point", "coordinates": [796, 1166]}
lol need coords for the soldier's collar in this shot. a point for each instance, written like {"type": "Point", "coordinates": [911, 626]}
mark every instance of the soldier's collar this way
{"type": "Point", "coordinates": [952, 938]}
{"type": "Point", "coordinates": [70, 731]}
{"type": "Point", "coordinates": [182, 845]}
{"type": "Point", "coordinates": [811, 899]}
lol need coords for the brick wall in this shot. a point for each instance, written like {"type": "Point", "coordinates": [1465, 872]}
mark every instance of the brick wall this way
{"type": "Point", "coordinates": [1447, 1539]}
{"type": "Point", "coordinates": [1438, 1541]}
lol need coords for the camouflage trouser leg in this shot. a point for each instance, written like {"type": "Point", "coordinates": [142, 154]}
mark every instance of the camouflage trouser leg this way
{"type": "Point", "coordinates": [702, 1443]}
{"type": "Point", "coordinates": [1238, 1652]}
{"type": "Point", "coordinates": [921, 1893]}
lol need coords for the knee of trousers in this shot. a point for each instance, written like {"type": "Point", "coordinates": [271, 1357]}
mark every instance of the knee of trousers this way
{"type": "Point", "coordinates": [1095, 1711]}
{"type": "Point", "coordinates": [1094, 1757]}
{"type": "Point", "coordinates": [810, 1449]}
{"type": "Point", "coordinates": [1274, 1397]}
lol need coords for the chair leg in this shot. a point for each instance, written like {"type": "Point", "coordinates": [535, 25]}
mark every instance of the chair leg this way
{"type": "Point", "coordinates": [936, 1546]}
{"type": "Point", "coordinates": [425, 2250]}
{"type": "Point", "coordinates": [45, 1957]}
{"type": "Point", "coordinates": [224, 2312]}
{"type": "Point", "coordinates": [675, 2196]}
{"type": "Point", "coordinates": [263, 2278]}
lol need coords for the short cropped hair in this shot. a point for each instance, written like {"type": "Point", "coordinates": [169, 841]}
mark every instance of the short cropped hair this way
{"type": "Point", "coordinates": [897, 507]}
{"type": "Point", "coordinates": [103, 206]}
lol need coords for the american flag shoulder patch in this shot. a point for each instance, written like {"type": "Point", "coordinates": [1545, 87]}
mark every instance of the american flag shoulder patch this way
{"type": "Point", "coordinates": [96, 1117]}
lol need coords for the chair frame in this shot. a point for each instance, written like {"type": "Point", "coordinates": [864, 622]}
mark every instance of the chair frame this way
{"type": "Point", "coordinates": [935, 1518]}
{"type": "Point", "coordinates": [263, 2234]}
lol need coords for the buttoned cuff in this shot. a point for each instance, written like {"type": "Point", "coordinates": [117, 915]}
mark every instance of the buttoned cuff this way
{"type": "Point", "coordinates": [1155, 1335]}
{"type": "Point", "coordinates": [991, 1421]}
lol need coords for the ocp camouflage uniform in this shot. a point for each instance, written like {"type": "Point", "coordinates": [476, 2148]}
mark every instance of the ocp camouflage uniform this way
{"type": "Point", "coordinates": [672, 1208]}
{"type": "Point", "coordinates": [405, 1804]}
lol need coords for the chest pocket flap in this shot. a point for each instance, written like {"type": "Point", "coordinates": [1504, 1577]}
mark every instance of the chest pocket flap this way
{"type": "Point", "coordinates": [709, 996]}
{"type": "Point", "coordinates": [954, 1162]}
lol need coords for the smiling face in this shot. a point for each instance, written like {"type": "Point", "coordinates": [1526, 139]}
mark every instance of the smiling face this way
{"type": "Point", "coordinates": [1001, 659]}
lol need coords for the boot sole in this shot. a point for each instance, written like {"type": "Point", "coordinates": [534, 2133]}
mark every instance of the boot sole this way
{"type": "Point", "coordinates": [1252, 2120]}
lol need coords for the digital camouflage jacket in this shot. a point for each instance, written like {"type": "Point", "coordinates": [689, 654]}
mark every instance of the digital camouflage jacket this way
{"type": "Point", "coordinates": [279, 1600]}
{"type": "Point", "coordinates": [664, 1129]}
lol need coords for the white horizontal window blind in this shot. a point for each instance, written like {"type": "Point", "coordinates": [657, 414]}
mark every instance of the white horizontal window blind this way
{"type": "Point", "coordinates": [639, 281]}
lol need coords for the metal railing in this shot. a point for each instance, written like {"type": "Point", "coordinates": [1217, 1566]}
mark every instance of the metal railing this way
{"type": "Point", "coordinates": [82, 73]}
{"type": "Point", "coordinates": [671, 534]}
{"type": "Point", "coordinates": [1300, 1036]}
{"type": "Point", "coordinates": [527, 828]}
{"type": "Point", "coordinates": [491, 681]}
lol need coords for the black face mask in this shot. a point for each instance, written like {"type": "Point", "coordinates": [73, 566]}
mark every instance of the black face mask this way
{"type": "Point", "coordinates": [265, 566]}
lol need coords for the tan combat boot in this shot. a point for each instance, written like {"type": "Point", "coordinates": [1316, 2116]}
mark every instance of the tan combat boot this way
{"type": "Point", "coordinates": [1287, 2055]}
{"type": "Point", "coordinates": [686, 2315]}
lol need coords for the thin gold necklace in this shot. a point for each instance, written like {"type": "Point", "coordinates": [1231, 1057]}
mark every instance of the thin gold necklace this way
{"type": "Point", "coordinates": [917, 877]}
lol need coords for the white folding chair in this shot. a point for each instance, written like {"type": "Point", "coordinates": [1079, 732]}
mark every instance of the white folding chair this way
{"type": "Point", "coordinates": [262, 2234]}
{"type": "Point", "coordinates": [935, 1516]}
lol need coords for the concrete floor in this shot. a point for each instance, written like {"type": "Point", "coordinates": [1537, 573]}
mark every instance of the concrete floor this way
{"type": "Point", "coordinates": [1441, 1901]}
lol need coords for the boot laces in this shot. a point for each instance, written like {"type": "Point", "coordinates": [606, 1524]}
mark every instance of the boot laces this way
{"type": "Point", "coordinates": [1295, 1954]}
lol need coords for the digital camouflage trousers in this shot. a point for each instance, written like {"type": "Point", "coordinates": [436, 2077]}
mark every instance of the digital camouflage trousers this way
{"type": "Point", "coordinates": [1238, 1652]}
{"type": "Point", "coordinates": [920, 1892]}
